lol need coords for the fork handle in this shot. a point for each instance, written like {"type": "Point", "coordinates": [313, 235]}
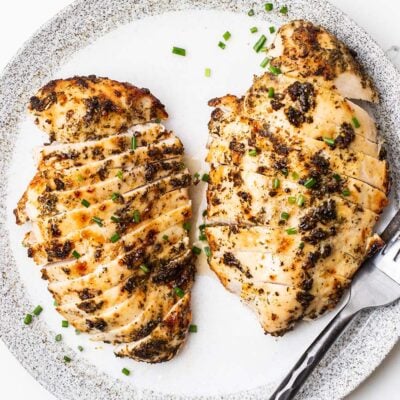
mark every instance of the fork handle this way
{"type": "Point", "coordinates": [313, 355]}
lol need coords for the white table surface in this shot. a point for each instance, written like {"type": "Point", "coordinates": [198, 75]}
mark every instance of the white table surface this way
{"type": "Point", "coordinates": [20, 18]}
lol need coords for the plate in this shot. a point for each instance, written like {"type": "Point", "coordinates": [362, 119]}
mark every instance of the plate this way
{"type": "Point", "coordinates": [229, 357]}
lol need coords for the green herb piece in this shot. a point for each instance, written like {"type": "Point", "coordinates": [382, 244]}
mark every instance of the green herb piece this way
{"type": "Point", "coordinates": [85, 203]}
{"type": "Point", "coordinates": [207, 251]}
{"type": "Point", "coordinates": [336, 177]}
{"type": "Point", "coordinates": [260, 43]}
{"type": "Point", "coordinates": [268, 6]}
{"type": "Point", "coordinates": [65, 324]}
{"type": "Point", "coordinates": [310, 183]}
{"type": "Point", "coordinates": [301, 245]}
{"type": "Point", "coordinates": [55, 304]}
{"type": "Point", "coordinates": [271, 92]}
{"type": "Point", "coordinates": [300, 200]}
{"type": "Point", "coordinates": [227, 35]}
{"type": "Point", "coordinates": [292, 200]}
{"type": "Point", "coordinates": [28, 319]}
{"type": "Point", "coordinates": [179, 51]}
{"type": "Point", "coordinates": [205, 178]}
{"type": "Point", "coordinates": [192, 328]}
{"type": "Point", "coordinates": [295, 175]}
{"type": "Point", "coordinates": [329, 141]}
{"type": "Point", "coordinates": [254, 29]}
{"type": "Point", "coordinates": [202, 227]}
{"type": "Point", "coordinates": [285, 216]}
{"type": "Point", "coordinates": [165, 237]}
{"type": "Point", "coordinates": [356, 122]}
{"type": "Point", "coordinates": [114, 238]}
{"type": "Point", "coordinates": [67, 359]}
{"type": "Point", "coordinates": [196, 250]}
{"type": "Point", "coordinates": [284, 172]}
{"type": "Point", "coordinates": [202, 237]}
{"type": "Point", "coordinates": [116, 197]}
{"type": "Point", "coordinates": [76, 254]}
{"type": "Point", "coordinates": [144, 268]}
{"type": "Point", "coordinates": [119, 175]}
{"type": "Point", "coordinates": [80, 348]}
{"type": "Point", "coordinates": [136, 216]}
{"type": "Point", "coordinates": [276, 183]}
{"type": "Point", "coordinates": [221, 45]}
{"type": "Point", "coordinates": [264, 62]}
{"type": "Point", "coordinates": [207, 72]}
{"type": "Point", "coordinates": [58, 338]}
{"type": "Point", "coordinates": [291, 231]}
{"type": "Point", "coordinates": [38, 310]}
{"type": "Point", "coordinates": [133, 143]}
{"type": "Point", "coordinates": [204, 214]}
{"type": "Point", "coordinates": [98, 221]}
{"type": "Point", "coordinates": [271, 29]}
{"type": "Point", "coordinates": [187, 226]}
{"type": "Point", "coordinates": [179, 292]}
{"type": "Point", "coordinates": [114, 219]}
{"type": "Point", "coordinates": [284, 10]}
{"type": "Point", "coordinates": [346, 192]}
{"type": "Point", "coordinates": [77, 332]}
{"type": "Point", "coordinates": [126, 371]}
{"type": "Point", "coordinates": [250, 13]}
{"type": "Point", "coordinates": [275, 70]}
{"type": "Point", "coordinates": [253, 153]}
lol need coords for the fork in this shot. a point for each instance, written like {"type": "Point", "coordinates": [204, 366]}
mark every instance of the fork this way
{"type": "Point", "coordinates": [371, 288]}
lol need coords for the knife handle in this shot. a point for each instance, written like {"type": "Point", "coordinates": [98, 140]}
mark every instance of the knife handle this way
{"type": "Point", "coordinates": [313, 355]}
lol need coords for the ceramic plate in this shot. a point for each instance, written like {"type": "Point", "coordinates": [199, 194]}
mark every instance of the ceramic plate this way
{"type": "Point", "coordinates": [229, 357]}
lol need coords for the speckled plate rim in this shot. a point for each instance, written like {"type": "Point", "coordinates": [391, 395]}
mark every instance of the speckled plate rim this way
{"type": "Point", "coordinates": [352, 359]}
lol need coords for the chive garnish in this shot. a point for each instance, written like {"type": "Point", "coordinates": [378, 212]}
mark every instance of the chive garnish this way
{"type": "Point", "coordinates": [291, 199]}
{"type": "Point", "coordinates": [284, 216]}
{"type": "Point", "coordinates": [250, 13]}
{"type": "Point", "coordinates": [207, 251]}
{"type": "Point", "coordinates": [76, 254]}
{"type": "Point", "coordinates": [268, 6]}
{"type": "Point", "coordinates": [205, 178]}
{"type": "Point", "coordinates": [165, 237]}
{"type": "Point", "coordinates": [192, 328]}
{"type": "Point", "coordinates": [119, 175]}
{"type": "Point", "coordinates": [28, 319]}
{"type": "Point", "coordinates": [114, 238]}
{"type": "Point", "coordinates": [300, 200]}
{"type": "Point", "coordinates": [136, 216]}
{"type": "Point", "coordinates": [329, 141]}
{"type": "Point", "coordinates": [295, 175]}
{"type": "Point", "coordinates": [301, 245]}
{"type": "Point", "coordinates": [187, 226]}
{"type": "Point", "coordinates": [67, 359]}
{"type": "Point", "coordinates": [55, 304]}
{"type": "Point", "coordinates": [276, 183]}
{"type": "Point", "coordinates": [144, 268]}
{"type": "Point", "coordinates": [221, 45]}
{"type": "Point", "coordinates": [202, 236]}
{"type": "Point", "coordinates": [58, 338]}
{"type": "Point", "coordinates": [98, 221]}
{"type": "Point", "coordinates": [356, 122]}
{"type": "Point", "coordinates": [196, 250]}
{"type": "Point", "coordinates": [65, 324]}
{"type": "Point", "coordinates": [264, 62]}
{"type": "Point", "coordinates": [227, 35]}
{"type": "Point", "coordinates": [179, 51]}
{"type": "Point", "coordinates": [179, 292]}
{"type": "Point", "coordinates": [114, 219]}
{"type": "Point", "coordinates": [271, 29]}
{"type": "Point", "coordinates": [253, 152]}
{"type": "Point", "coordinates": [275, 70]}
{"type": "Point", "coordinates": [126, 371]}
{"type": "Point", "coordinates": [346, 192]}
{"type": "Point", "coordinates": [207, 72]}
{"type": "Point", "coordinates": [254, 29]}
{"type": "Point", "coordinates": [291, 231]}
{"type": "Point", "coordinates": [271, 92]}
{"type": "Point", "coordinates": [204, 214]}
{"type": "Point", "coordinates": [260, 43]}
{"type": "Point", "coordinates": [336, 177]}
{"type": "Point", "coordinates": [37, 311]}
{"type": "Point", "coordinates": [133, 143]}
{"type": "Point", "coordinates": [80, 348]}
{"type": "Point", "coordinates": [77, 332]}
{"type": "Point", "coordinates": [116, 197]}
{"type": "Point", "coordinates": [283, 10]}
{"type": "Point", "coordinates": [310, 183]}
{"type": "Point", "coordinates": [85, 203]}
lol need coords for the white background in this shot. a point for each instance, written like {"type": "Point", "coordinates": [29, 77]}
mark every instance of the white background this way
{"type": "Point", "coordinates": [20, 18]}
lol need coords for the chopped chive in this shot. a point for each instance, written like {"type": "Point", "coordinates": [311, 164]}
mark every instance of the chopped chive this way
{"type": "Point", "coordinates": [28, 319]}
{"type": "Point", "coordinates": [268, 6]}
{"type": "Point", "coordinates": [58, 338]}
{"type": "Point", "coordinates": [116, 196]}
{"type": "Point", "coordinates": [136, 216]}
{"type": "Point", "coordinates": [264, 62]}
{"type": "Point", "coordinates": [254, 29]}
{"type": "Point", "coordinates": [67, 359]}
{"type": "Point", "coordinates": [222, 45]}
{"type": "Point", "coordinates": [119, 175]}
{"type": "Point", "coordinates": [37, 311]}
{"type": "Point", "coordinates": [284, 172]}
{"type": "Point", "coordinates": [204, 213]}
{"type": "Point", "coordinates": [196, 250]}
{"type": "Point", "coordinates": [329, 141]}
{"type": "Point", "coordinates": [76, 254]}
{"type": "Point", "coordinates": [202, 227]}
{"type": "Point", "coordinates": [144, 268]}
{"type": "Point", "coordinates": [157, 120]}
{"type": "Point", "coordinates": [250, 13]}
{"type": "Point", "coordinates": [253, 152]}
{"type": "Point", "coordinates": [295, 175]}
{"type": "Point", "coordinates": [271, 29]}
{"type": "Point", "coordinates": [65, 324]}
{"type": "Point", "coordinates": [207, 72]}
{"type": "Point", "coordinates": [165, 237]}
{"type": "Point", "coordinates": [356, 122]}
{"type": "Point", "coordinates": [133, 143]}
{"type": "Point", "coordinates": [346, 192]}
{"type": "Point", "coordinates": [300, 200]}
{"type": "Point", "coordinates": [291, 231]}
{"type": "Point", "coordinates": [114, 219]}
{"type": "Point", "coordinates": [55, 304]}
{"type": "Point", "coordinates": [260, 43]}
{"type": "Point", "coordinates": [114, 238]}
{"type": "Point", "coordinates": [291, 199]}
{"type": "Point", "coordinates": [196, 175]}
{"type": "Point", "coordinates": [205, 178]}
{"type": "Point", "coordinates": [275, 70]}
{"type": "Point", "coordinates": [98, 221]}
{"type": "Point", "coordinates": [77, 332]}
{"type": "Point", "coordinates": [284, 10]}
{"type": "Point", "coordinates": [276, 183]}
{"type": "Point", "coordinates": [80, 348]}
{"type": "Point", "coordinates": [192, 328]}
{"type": "Point", "coordinates": [85, 203]}
{"type": "Point", "coordinates": [310, 183]}
{"type": "Point", "coordinates": [284, 216]}
{"type": "Point", "coordinates": [126, 371]}
{"type": "Point", "coordinates": [179, 292]}
{"type": "Point", "coordinates": [207, 251]}
{"type": "Point", "coordinates": [179, 51]}
{"type": "Point", "coordinates": [202, 236]}
{"type": "Point", "coordinates": [336, 177]}
{"type": "Point", "coordinates": [301, 245]}
{"type": "Point", "coordinates": [227, 35]}
{"type": "Point", "coordinates": [271, 92]}
{"type": "Point", "coordinates": [187, 226]}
